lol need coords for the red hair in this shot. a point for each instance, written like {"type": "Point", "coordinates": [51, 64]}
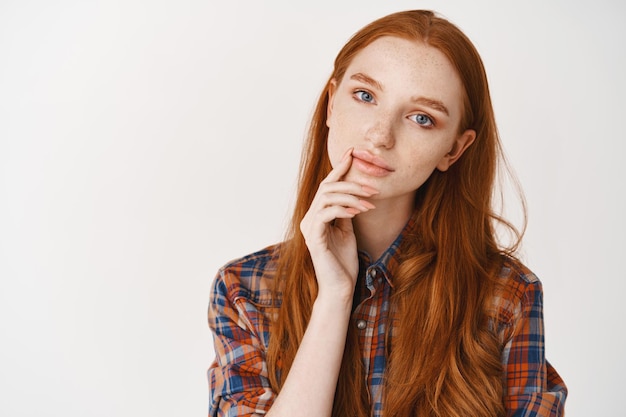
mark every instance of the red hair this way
{"type": "Point", "coordinates": [444, 283]}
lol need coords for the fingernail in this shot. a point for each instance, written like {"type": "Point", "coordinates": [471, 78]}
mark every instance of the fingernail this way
{"type": "Point", "coordinates": [353, 211]}
{"type": "Point", "coordinates": [369, 189]}
{"type": "Point", "coordinates": [367, 204]}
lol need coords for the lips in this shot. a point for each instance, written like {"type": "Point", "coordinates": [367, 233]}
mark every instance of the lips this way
{"type": "Point", "coordinates": [370, 164]}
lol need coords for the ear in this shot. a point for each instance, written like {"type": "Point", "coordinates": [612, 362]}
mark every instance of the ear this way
{"type": "Point", "coordinates": [461, 143]}
{"type": "Point", "coordinates": [332, 87]}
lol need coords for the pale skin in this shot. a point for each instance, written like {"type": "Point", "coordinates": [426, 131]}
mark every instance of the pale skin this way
{"type": "Point", "coordinates": [393, 119]}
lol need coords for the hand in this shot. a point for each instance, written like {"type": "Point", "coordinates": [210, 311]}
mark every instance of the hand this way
{"type": "Point", "coordinates": [328, 232]}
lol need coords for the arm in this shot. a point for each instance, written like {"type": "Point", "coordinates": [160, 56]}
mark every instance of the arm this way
{"type": "Point", "coordinates": [533, 388]}
{"type": "Point", "coordinates": [310, 386]}
{"type": "Point", "coordinates": [238, 379]}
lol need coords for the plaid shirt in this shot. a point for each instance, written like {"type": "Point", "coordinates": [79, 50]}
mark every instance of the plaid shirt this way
{"type": "Point", "coordinates": [241, 309]}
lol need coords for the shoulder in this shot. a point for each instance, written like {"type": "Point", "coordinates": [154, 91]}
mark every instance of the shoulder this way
{"type": "Point", "coordinates": [250, 277]}
{"type": "Point", "coordinates": [515, 280]}
{"type": "Point", "coordinates": [518, 290]}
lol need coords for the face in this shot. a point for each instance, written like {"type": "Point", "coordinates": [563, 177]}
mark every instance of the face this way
{"type": "Point", "coordinates": [399, 105]}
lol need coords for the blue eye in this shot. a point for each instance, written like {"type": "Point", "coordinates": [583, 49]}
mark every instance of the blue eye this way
{"type": "Point", "coordinates": [422, 120]}
{"type": "Point", "coordinates": [364, 96]}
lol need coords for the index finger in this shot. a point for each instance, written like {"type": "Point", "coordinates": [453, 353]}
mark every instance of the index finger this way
{"type": "Point", "coordinates": [341, 169]}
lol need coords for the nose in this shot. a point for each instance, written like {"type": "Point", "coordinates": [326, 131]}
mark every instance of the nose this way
{"type": "Point", "coordinates": [380, 133]}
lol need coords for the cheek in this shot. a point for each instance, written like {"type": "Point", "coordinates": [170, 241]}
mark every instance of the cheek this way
{"type": "Point", "coordinates": [339, 139]}
{"type": "Point", "coordinates": [422, 162]}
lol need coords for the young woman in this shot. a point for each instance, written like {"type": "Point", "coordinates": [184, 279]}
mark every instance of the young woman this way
{"type": "Point", "coordinates": [391, 294]}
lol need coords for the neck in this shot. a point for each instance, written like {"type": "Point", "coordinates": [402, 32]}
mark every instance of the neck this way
{"type": "Point", "coordinates": [376, 230]}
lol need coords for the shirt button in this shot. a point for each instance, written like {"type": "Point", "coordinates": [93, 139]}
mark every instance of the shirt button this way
{"type": "Point", "coordinates": [373, 273]}
{"type": "Point", "coordinates": [361, 324]}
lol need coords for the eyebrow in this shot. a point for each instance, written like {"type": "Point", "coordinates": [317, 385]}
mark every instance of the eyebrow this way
{"type": "Point", "coordinates": [430, 102]}
{"type": "Point", "coordinates": [359, 76]}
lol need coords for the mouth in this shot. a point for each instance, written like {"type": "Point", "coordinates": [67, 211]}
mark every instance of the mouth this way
{"type": "Point", "coordinates": [370, 164]}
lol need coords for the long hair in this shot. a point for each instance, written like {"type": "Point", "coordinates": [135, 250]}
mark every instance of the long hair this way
{"type": "Point", "coordinates": [443, 359]}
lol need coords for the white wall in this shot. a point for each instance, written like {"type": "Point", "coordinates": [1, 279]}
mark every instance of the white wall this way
{"type": "Point", "coordinates": [145, 143]}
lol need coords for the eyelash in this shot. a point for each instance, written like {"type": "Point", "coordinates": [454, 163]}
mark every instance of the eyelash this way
{"type": "Point", "coordinates": [431, 122]}
{"type": "Point", "coordinates": [358, 93]}
{"type": "Point", "coordinates": [358, 96]}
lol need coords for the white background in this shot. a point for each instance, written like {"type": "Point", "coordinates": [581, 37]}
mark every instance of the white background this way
{"type": "Point", "coordinates": [143, 144]}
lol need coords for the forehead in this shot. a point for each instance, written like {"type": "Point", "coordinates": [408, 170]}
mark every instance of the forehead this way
{"type": "Point", "coordinates": [409, 66]}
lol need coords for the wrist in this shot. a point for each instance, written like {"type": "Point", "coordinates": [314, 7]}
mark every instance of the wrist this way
{"type": "Point", "coordinates": [334, 300]}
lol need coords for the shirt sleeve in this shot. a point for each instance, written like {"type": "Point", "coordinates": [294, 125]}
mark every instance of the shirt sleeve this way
{"type": "Point", "coordinates": [238, 379]}
{"type": "Point", "coordinates": [533, 387]}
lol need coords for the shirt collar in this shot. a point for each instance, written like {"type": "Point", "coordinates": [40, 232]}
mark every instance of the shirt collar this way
{"type": "Point", "coordinates": [390, 258]}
